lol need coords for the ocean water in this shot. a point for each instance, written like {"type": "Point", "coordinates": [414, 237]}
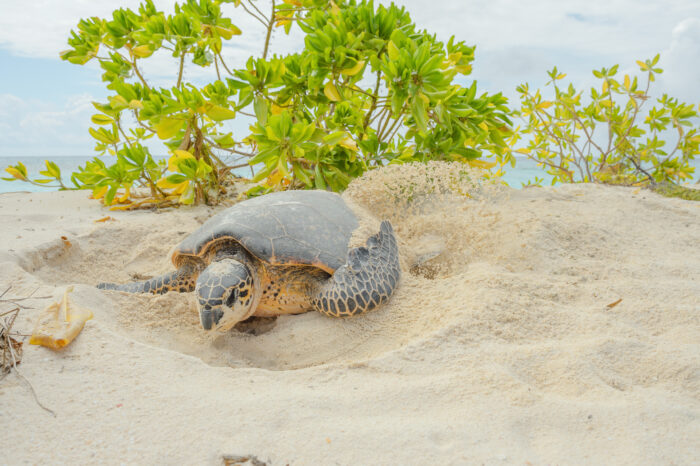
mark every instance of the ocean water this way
{"type": "Point", "coordinates": [524, 170]}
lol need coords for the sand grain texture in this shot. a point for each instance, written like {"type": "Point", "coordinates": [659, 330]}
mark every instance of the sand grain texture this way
{"type": "Point", "coordinates": [498, 349]}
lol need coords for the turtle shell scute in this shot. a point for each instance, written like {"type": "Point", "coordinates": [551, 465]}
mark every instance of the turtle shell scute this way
{"type": "Point", "coordinates": [286, 228]}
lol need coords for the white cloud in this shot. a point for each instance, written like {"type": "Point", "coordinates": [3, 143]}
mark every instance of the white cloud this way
{"type": "Point", "coordinates": [593, 26]}
{"type": "Point", "coordinates": [32, 127]}
{"type": "Point", "coordinates": [41, 28]}
{"type": "Point", "coordinates": [681, 62]}
{"type": "Point", "coordinates": [518, 41]}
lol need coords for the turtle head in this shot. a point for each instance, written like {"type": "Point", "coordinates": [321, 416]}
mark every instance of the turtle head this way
{"type": "Point", "coordinates": [225, 294]}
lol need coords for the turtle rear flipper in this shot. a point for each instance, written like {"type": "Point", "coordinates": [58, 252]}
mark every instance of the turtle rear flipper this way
{"type": "Point", "coordinates": [183, 279]}
{"type": "Point", "coordinates": [366, 281]}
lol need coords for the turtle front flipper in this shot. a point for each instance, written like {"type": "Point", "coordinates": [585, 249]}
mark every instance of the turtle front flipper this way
{"type": "Point", "coordinates": [366, 281]}
{"type": "Point", "coordinates": [183, 279]}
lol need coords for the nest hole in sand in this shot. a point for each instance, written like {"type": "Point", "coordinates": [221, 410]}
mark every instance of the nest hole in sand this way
{"type": "Point", "coordinates": [256, 325]}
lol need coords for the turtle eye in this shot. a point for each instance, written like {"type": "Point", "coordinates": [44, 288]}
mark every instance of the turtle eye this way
{"type": "Point", "coordinates": [232, 298]}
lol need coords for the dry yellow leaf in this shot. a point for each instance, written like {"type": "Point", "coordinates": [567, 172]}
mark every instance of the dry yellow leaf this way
{"type": "Point", "coordinates": [613, 304]}
{"type": "Point", "coordinates": [349, 143]}
{"type": "Point", "coordinates": [59, 324]}
{"type": "Point", "coordinates": [15, 173]}
{"type": "Point", "coordinates": [481, 164]}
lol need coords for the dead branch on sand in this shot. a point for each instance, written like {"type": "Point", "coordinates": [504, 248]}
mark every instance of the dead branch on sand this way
{"type": "Point", "coordinates": [16, 301]}
{"type": "Point", "coordinates": [10, 347]}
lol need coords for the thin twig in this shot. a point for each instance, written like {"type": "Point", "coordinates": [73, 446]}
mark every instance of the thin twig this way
{"type": "Point", "coordinates": [36, 398]}
{"type": "Point", "coordinates": [392, 127]}
{"type": "Point", "coordinates": [232, 151]}
{"type": "Point", "coordinates": [549, 164]}
{"type": "Point", "coordinates": [379, 115]}
{"type": "Point", "coordinates": [639, 167]}
{"type": "Point", "coordinates": [258, 9]}
{"type": "Point", "coordinates": [246, 114]}
{"type": "Point", "coordinates": [284, 10]}
{"type": "Point", "coordinates": [270, 25]}
{"type": "Point", "coordinates": [138, 73]}
{"type": "Point", "coordinates": [253, 14]}
{"type": "Point", "coordinates": [216, 65]}
{"type": "Point", "coordinates": [121, 130]}
{"type": "Point", "coordinates": [9, 312]}
{"type": "Point", "coordinates": [374, 102]}
{"type": "Point", "coordinates": [391, 137]}
{"type": "Point", "coordinates": [182, 66]}
{"type": "Point", "coordinates": [224, 64]}
{"type": "Point", "coordinates": [14, 300]}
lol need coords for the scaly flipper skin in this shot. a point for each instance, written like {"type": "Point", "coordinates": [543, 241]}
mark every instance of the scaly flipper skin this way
{"type": "Point", "coordinates": [366, 281]}
{"type": "Point", "coordinates": [183, 280]}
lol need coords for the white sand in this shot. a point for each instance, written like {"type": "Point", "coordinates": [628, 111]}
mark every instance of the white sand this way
{"type": "Point", "coordinates": [506, 355]}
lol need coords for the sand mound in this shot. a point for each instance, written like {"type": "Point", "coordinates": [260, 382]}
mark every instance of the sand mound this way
{"type": "Point", "coordinates": [502, 341]}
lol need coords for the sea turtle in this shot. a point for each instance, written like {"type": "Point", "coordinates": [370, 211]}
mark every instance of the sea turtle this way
{"type": "Point", "coordinates": [282, 253]}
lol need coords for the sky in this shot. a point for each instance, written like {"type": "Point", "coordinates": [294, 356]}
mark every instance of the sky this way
{"type": "Point", "coordinates": [45, 103]}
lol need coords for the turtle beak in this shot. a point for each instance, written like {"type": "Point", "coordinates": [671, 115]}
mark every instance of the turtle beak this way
{"type": "Point", "coordinates": [210, 317]}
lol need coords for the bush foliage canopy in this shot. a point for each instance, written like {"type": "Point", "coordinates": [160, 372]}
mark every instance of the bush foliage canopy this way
{"type": "Point", "coordinates": [603, 140]}
{"type": "Point", "coordinates": [366, 90]}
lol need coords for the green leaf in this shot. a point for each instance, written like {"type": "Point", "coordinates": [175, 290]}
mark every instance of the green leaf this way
{"type": "Point", "coordinates": [52, 169]}
{"type": "Point", "coordinates": [318, 178]}
{"type": "Point", "coordinates": [352, 71]}
{"type": "Point", "coordinates": [218, 113]}
{"type": "Point", "coordinates": [334, 138]}
{"type": "Point", "coordinates": [118, 102]}
{"type": "Point", "coordinates": [284, 124]}
{"type": "Point", "coordinates": [111, 192]}
{"type": "Point", "coordinates": [332, 92]}
{"type": "Point", "coordinates": [176, 179]}
{"type": "Point", "coordinates": [203, 169]}
{"type": "Point", "coordinates": [142, 51]}
{"type": "Point", "coordinates": [166, 128]}
{"type": "Point", "coordinates": [264, 155]}
{"type": "Point", "coordinates": [261, 110]}
{"type": "Point", "coordinates": [101, 135]}
{"type": "Point", "coordinates": [301, 175]}
{"type": "Point", "coordinates": [393, 50]}
{"type": "Point", "coordinates": [99, 119]}
{"type": "Point", "coordinates": [245, 97]}
{"type": "Point", "coordinates": [419, 114]}
{"type": "Point", "coordinates": [228, 32]}
{"type": "Point", "coordinates": [226, 140]}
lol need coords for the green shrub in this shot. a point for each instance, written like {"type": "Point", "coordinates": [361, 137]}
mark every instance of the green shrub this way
{"type": "Point", "coordinates": [611, 138]}
{"type": "Point", "coordinates": [367, 89]}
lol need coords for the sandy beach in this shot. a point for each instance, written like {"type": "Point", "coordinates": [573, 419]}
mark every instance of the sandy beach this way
{"type": "Point", "coordinates": [502, 349]}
